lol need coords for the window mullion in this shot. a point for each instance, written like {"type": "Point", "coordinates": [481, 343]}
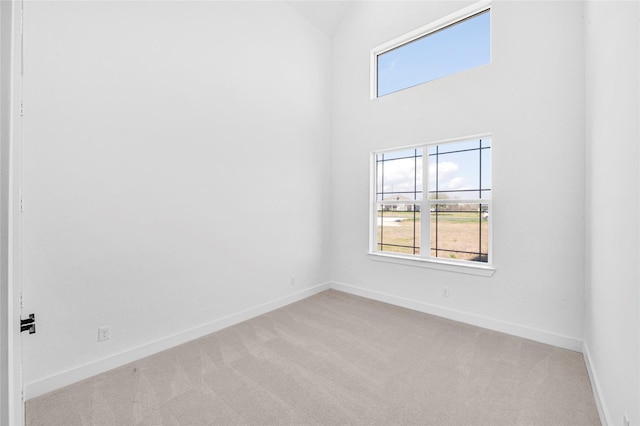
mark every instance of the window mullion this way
{"type": "Point", "coordinates": [373, 227]}
{"type": "Point", "coordinates": [425, 207]}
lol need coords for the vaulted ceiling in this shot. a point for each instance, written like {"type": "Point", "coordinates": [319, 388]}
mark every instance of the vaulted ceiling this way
{"type": "Point", "coordinates": [325, 15]}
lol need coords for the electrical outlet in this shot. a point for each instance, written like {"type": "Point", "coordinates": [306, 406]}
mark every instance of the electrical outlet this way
{"type": "Point", "coordinates": [104, 333]}
{"type": "Point", "coordinates": [445, 291]}
{"type": "Point", "coordinates": [293, 280]}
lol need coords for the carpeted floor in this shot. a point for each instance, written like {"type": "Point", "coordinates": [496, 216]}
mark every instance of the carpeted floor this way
{"type": "Point", "coordinates": [336, 359]}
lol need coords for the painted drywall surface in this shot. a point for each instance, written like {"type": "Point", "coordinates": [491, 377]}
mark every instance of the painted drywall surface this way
{"type": "Point", "coordinates": [175, 169]}
{"type": "Point", "coordinates": [531, 98]}
{"type": "Point", "coordinates": [612, 332]}
{"type": "Point", "coordinates": [6, 28]}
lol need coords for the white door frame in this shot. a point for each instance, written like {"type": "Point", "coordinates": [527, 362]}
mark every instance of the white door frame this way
{"type": "Point", "coordinates": [11, 395]}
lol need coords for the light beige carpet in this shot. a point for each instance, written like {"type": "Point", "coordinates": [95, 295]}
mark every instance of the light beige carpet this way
{"type": "Point", "coordinates": [336, 359]}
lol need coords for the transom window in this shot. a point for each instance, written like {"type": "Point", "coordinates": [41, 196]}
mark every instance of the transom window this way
{"type": "Point", "coordinates": [455, 43]}
{"type": "Point", "coordinates": [452, 216]}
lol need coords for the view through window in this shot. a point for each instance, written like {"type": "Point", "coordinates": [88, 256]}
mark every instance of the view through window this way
{"type": "Point", "coordinates": [459, 46]}
{"type": "Point", "coordinates": [451, 219]}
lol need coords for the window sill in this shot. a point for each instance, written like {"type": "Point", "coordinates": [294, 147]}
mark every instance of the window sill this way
{"type": "Point", "coordinates": [442, 265]}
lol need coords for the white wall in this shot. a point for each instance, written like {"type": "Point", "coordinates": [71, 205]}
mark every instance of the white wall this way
{"type": "Point", "coordinates": [176, 171]}
{"type": "Point", "coordinates": [612, 329]}
{"type": "Point", "coordinates": [531, 99]}
{"type": "Point", "coordinates": [6, 29]}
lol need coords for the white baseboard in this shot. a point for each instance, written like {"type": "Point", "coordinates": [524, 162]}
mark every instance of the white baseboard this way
{"type": "Point", "coordinates": [82, 372]}
{"type": "Point", "coordinates": [542, 336]}
{"type": "Point", "coordinates": [595, 385]}
{"type": "Point", "coordinates": [85, 371]}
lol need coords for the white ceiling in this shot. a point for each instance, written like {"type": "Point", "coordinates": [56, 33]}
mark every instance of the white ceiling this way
{"type": "Point", "coordinates": [325, 15]}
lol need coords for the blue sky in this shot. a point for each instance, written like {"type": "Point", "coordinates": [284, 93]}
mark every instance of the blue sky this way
{"type": "Point", "coordinates": [456, 48]}
{"type": "Point", "coordinates": [459, 170]}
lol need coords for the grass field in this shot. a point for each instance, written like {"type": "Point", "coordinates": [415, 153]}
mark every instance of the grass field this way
{"type": "Point", "coordinates": [456, 233]}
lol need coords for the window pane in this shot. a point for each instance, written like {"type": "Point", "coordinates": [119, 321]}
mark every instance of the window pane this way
{"type": "Point", "coordinates": [460, 170]}
{"type": "Point", "coordinates": [460, 231]}
{"type": "Point", "coordinates": [399, 175]}
{"type": "Point", "coordinates": [379, 169]}
{"type": "Point", "coordinates": [399, 228]}
{"type": "Point", "coordinates": [486, 172]}
{"type": "Point", "coordinates": [391, 155]}
{"type": "Point", "coordinates": [461, 195]}
{"type": "Point", "coordinates": [454, 146]}
{"type": "Point", "coordinates": [458, 47]}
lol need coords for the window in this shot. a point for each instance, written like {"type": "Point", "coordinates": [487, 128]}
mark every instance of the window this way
{"type": "Point", "coordinates": [451, 45]}
{"type": "Point", "coordinates": [433, 202]}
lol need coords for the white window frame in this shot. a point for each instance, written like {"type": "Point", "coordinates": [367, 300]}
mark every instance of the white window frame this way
{"type": "Point", "coordinates": [424, 259]}
{"type": "Point", "coordinates": [441, 23]}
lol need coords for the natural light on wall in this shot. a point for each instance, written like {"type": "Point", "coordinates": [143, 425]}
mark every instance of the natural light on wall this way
{"type": "Point", "coordinates": [453, 44]}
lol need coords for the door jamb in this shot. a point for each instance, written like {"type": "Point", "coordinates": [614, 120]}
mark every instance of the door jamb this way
{"type": "Point", "coordinates": [11, 387]}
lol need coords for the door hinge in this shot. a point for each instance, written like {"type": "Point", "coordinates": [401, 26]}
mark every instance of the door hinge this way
{"type": "Point", "coordinates": [28, 324]}
{"type": "Point", "coordinates": [21, 300]}
{"type": "Point", "coordinates": [20, 201]}
{"type": "Point", "coordinates": [21, 109]}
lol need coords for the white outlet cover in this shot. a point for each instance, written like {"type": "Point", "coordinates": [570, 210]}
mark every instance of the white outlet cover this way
{"type": "Point", "coordinates": [104, 333]}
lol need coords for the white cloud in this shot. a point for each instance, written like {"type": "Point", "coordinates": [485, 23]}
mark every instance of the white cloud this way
{"type": "Point", "coordinates": [449, 177]}
{"type": "Point", "coordinates": [400, 176]}
{"type": "Point", "coordinates": [446, 173]}
{"type": "Point", "coordinates": [455, 183]}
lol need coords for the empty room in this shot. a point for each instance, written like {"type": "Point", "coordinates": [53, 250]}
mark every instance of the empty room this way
{"type": "Point", "coordinates": [320, 212]}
